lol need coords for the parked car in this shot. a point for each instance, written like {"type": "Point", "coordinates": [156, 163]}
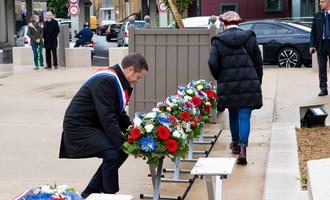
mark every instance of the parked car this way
{"type": "Point", "coordinates": [101, 29]}
{"type": "Point", "coordinates": [112, 31]}
{"type": "Point", "coordinates": [22, 40]}
{"type": "Point", "coordinates": [122, 39]}
{"type": "Point", "coordinates": [285, 44]}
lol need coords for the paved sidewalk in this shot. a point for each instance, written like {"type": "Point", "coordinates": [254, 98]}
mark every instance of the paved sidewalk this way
{"type": "Point", "coordinates": [33, 103]}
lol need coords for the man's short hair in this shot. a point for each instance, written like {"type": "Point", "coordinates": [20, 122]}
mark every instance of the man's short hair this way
{"type": "Point", "coordinates": [136, 60]}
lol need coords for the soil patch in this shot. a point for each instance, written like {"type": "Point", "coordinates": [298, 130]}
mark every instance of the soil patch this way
{"type": "Point", "coordinates": [313, 144]}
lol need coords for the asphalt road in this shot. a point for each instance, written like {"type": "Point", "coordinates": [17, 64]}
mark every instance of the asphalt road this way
{"type": "Point", "coordinates": [101, 57]}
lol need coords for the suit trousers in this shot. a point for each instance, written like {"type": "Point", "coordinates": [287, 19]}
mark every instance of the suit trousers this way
{"type": "Point", "coordinates": [105, 179]}
{"type": "Point", "coordinates": [322, 58]}
{"type": "Point", "coordinates": [50, 51]}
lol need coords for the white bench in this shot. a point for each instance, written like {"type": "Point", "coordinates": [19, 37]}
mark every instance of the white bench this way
{"type": "Point", "coordinates": [318, 179]}
{"type": "Point", "coordinates": [97, 196]}
{"type": "Point", "coordinates": [218, 167]}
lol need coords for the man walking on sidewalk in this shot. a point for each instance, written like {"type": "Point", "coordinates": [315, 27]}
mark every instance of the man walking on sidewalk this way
{"type": "Point", "coordinates": [320, 42]}
{"type": "Point", "coordinates": [51, 31]}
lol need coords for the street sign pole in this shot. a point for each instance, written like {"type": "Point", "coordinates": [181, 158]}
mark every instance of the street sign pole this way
{"type": "Point", "coordinates": [162, 8]}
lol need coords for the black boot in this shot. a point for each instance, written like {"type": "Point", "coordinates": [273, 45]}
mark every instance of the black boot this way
{"type": "Point", "coordinates": [234, 147]}
{"type": "Point", "coordinates": [88, 191]}
{"type": "Point", "coordinates": [242, 154]}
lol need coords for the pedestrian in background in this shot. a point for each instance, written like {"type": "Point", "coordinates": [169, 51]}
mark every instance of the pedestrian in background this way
{"type": "Point", "coordinates": [235, 62]}
{"type": "Point", "coordinates": [95, 122]}
{"type": "Point", "coordinates": [320, 42]}
{"type": "Point", "coordinates": [35, 33]}
{"type": "Point", "coordinates": [51, 31]}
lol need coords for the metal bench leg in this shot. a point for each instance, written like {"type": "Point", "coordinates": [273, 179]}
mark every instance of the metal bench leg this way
{"type": "Point", "coordinates": [218, 188]}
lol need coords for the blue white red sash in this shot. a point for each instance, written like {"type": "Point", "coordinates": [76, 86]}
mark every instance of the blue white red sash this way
{"type": "Point", "coordinates": [123, 95]}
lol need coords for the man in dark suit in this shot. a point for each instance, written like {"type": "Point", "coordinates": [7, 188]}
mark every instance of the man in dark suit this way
{"type": "Point", "coordinates": [320, 42]}
{"type": "Point", "coordinates": [51, 31]}
{"type": "Point", "coordinates": [95, 122]}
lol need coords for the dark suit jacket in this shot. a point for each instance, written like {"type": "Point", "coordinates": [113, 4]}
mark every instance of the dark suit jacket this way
{"type": "Point", "coordinates": [51, 31]}
{"type": "Point", "coordinates": [317, 32]}
{"type": "Point", "coordinates": [94, 120]}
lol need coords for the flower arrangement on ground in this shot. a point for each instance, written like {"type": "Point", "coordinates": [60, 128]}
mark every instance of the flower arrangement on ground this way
{"type": "Point", "coordinates": [154, 135]}
{"type": "Point", "coordinates": [185, 111]}
{"type": "Point", "coordinates": [50, 192]}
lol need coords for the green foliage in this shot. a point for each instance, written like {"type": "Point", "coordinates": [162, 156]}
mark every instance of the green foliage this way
{"type": "Point", "coordinates": [182, 5]}
{"type": "Point", "coordinates": [58, 7]}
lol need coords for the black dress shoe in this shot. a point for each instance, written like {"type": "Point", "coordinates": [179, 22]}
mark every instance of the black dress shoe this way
{"type": "Point", "coordinates": [323, 93]}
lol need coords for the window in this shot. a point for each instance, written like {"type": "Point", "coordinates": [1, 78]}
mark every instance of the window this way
{"type": "Point", "coordinates": [270, 29]}
{"type": "Point", "coordinates": [228, 7]}
{"type": "Point", "coordinates": [273, 5]}
{"type": "Point", "coordinates": [245, 26]}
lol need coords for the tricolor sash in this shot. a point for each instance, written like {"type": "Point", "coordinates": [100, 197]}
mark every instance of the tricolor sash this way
{"type": "Point", "coordinates": [123, 96]}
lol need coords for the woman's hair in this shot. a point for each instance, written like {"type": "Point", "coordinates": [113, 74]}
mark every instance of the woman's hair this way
{"type": "Point", "coordinates": [136, 60]}
{"type": "Point", "coordinates": [34, 18]}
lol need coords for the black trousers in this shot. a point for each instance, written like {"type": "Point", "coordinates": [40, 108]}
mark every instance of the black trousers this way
{"type": "Point", "coordinates": [50, 51]}
{"type": "Point", "coordinates": [105, 179]}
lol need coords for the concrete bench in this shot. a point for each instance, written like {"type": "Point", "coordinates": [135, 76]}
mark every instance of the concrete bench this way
{"type": "Point", "coordinates": [78, 57]}
{"type": "Point", "coordinates": [96, 196]}
{"type": "Point", "coordinates": [218, 167]}
{"type": "Point", "coordinates": [24, 56]}
{"type": "Point", "coordinates": [318, 179]}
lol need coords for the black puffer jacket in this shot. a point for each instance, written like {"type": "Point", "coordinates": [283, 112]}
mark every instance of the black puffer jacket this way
{"type": "Point", "coordinates": [235, 62]}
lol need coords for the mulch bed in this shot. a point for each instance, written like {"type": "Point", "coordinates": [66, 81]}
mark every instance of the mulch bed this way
{"type": "Point", "coordinates": [313, 144]}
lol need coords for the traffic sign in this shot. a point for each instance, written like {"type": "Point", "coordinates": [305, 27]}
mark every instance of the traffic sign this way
{"type": "Point", "coordinates": [74, 10]}
{"type": "Point", "coordinates": [73, 1]}
{"type": "Point", "coordinates": [162, 7]}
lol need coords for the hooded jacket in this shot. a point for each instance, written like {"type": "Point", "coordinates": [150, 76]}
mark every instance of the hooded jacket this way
{"type": "Point", "coordinates": [235, 62]}
{"type": "Point", "coordinates": [35, 32]}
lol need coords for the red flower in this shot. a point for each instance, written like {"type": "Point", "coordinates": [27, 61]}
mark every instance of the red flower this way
{"type": "Point", "coordinates": [171, 146]}
{"type": "Point", "coordinates": [210, 94]}
{"type": "Point", "coordinates": [172, 119]}
{"type": "Point", "coordinates": [197, 101]}
{"type": "Point", "coordinates": [136, 133]}
{"type": "Point", "coordinates": [194, 125]}
{"type": "Point", "coordinates": [185, 116]}
{"type": "Point", "coordinates": [207, 108]}
{"type": "Point", "coordinates": [188, 104]}
{"type": "Point", "coordinates": [130, 140]}
{"type": "Point", "coordinates": [163, 133]}
{"type": "Point", "coordinates": [58, 198]}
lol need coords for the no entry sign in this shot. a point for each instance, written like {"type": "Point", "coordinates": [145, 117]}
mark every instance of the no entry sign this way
{"type": "Point", "coordinates": [74, 10]}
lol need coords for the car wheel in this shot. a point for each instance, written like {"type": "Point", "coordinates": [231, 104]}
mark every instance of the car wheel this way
{"type": "Point", "coordinates": [108, 38]}
{"type": "Point", "coordinates": [289, 57]}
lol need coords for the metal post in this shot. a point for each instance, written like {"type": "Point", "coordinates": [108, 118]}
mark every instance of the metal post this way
{"type": "Point", "coordinates": [158, 177]}
{"type": "Point", "coordinates": [191, 148]}
{"type": "Point", "coordinates": [209, 186]}
{"type": "Point", "coordinates": [177, 168]}
{"type": "Point", "coordinates": [63, 42]}
{"type": "Point", "coordinates": [201, 136]}
{"type": "Point", "coordinates": [218, 188]}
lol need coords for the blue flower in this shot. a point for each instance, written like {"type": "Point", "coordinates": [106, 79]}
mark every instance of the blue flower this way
{"type": "Point", "coordinates": [42, 196]}
{"type": "Point", "coordinates": [163, 120]}
{"type": "Point", "coordinates": [148, 144]}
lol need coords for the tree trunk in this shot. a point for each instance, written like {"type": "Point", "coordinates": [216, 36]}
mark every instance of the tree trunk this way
{"type": "Point", "coordinates": [176, 14]}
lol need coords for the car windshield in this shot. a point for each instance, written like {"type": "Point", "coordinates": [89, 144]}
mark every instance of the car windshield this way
{"type": "Point", "coordinates": [139, 24]}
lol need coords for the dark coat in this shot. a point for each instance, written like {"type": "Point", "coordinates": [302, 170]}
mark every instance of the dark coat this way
{"type": "Point", "coordinates": [51, 31]}
{"type": "Point", "coordinates": [35, 32]}
{"type": "Point", "coordinates": [235, 62]}
{"type": "Point", "coordinates": [94, 121]}
{"type": "Point", "coordinates": [317, 32]}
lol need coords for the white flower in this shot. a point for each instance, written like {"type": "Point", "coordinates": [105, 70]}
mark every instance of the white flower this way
{"type": "Point", "coordinates": [137, 121]}
{"type": "Point", "coordinates": [187, 97]}
{"type": "Point", "coordinates": [168, 109]}
{"type": "Point", "coordinates": [149, 128]}
{"type": "Point", "coordinates": [151, 115]}
{"type": "Point", "coordinates": [200, 87]}
{"type": "Point", "coordinates": [207, 103]}
{"type": "Point", "coordinates": [46, 189]}
{"type": "Point", "coordinates": [189, 91]}
{"type": "Point", "coordinates": [176, 134]}
{"type": "Point", "coordinates": [198, 81]}
{"type": "Point", "coordinates": [187, 127]}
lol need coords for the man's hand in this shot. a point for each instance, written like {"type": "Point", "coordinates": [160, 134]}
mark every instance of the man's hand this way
{"type": "Point", "coordinates": [38, 40]}
{"type": "Point", "coordinates": [126, 135]}
{"type": "Point", "coordinates": [312, 50]}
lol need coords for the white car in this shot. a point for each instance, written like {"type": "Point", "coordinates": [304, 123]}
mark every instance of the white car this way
{"type": "Point", "coordinates": [201, 21]}
{"type": "Point", "coordinates": [122, 37]}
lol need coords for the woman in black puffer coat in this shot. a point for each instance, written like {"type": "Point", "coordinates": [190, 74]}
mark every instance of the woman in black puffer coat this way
{"type": "Point", "coordinates": [235, 62]}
